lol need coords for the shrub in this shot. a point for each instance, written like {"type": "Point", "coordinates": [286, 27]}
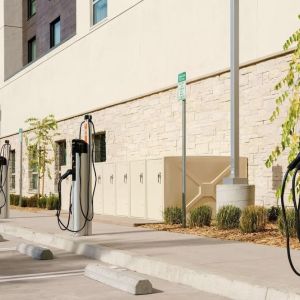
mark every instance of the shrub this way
{"type": "Point", "coordinates": [42, 202]}
{"type": "Point", "coordinates": [52, 202]}
{"type": "Point", "coordinates": [273, 213]}
{"type": "Point", "coordinates": [14, 199]}
{"type": "Point", "coordinates": [291, 221]}
{"type": "Point", "coordinates": [24, 201]}
{"type": "Point", "coordinates": [253, 219]}
{"type": "Point", "coordinates": [32, 201]}
{"type": "Point", "coordinates": [17, 200]}
{"type": "Point", "coordinates": [200, 216]}
{"type": "Point", "coordinates": [173, 215]}
{"type": "Point", "coordinates": [228, 217]}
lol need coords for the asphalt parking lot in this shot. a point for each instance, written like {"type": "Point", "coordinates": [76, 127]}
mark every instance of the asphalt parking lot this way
{"type": "Point", "coordinates": [21, 277]}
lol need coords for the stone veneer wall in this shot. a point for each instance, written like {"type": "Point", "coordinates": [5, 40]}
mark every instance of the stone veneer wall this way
{"type": "Point", "coordinates": [150, 127]}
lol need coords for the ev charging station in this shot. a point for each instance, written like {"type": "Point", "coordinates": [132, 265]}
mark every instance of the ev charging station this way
{"type": "Point", "coordinates": [81, 211]}
{"type": "Point", "coordinates": [4, 180]}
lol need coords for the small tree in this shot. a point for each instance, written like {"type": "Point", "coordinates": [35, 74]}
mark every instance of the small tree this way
{"type": "Point", "coordinates": [40, 147]}
{"type": "Point", "coordinates": [289, 88]}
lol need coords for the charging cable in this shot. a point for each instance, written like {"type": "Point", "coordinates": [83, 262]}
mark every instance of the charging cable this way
{"type": "Point", "coordinates": [293, 166]}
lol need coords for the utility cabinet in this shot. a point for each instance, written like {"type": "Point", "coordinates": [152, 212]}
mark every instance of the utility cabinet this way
{"type": "Point", "coordinates": [155, 189]}
{"type": "Point", "coordinates": [109, 189]}
{"type": "Point", "coordinates": [138, 189]}
{"type": "Point", "coordinates": [144, 188]}
{"type": "Point", "coordinates": [98, 196]}
{"type": "Point", "coordinates": [122, 189]}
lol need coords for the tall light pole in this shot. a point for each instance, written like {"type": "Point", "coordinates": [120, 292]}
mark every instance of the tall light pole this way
{"type": "Point", "coordinates": [235, 74]}
{"type": "Point", "coordinates": [234, 95]}
{"type": "Point", "coordinates": [234, 190]}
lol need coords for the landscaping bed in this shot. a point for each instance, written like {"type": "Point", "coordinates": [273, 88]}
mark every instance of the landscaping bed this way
{"type": "Point", "coordinates": [271, 236]}
{"type": "Point", "coordinates": [35, 203]}
{"type": "Point", "coordinates": [253, 225]}
{"type": "Point", "coordinates": [30, 209]}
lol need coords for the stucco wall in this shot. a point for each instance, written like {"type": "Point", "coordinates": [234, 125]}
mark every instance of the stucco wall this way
{"type": "Point", "coordinates": [139, 51]}
{"type": "Point", "coordinates": [150, 127]}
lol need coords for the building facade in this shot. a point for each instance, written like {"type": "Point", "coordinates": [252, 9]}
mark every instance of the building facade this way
{"type": "Point", "coordinates": [119, 60]}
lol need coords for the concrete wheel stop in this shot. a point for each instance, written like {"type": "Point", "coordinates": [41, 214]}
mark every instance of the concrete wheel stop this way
{"type": "Point", "coordinates": [36, 252]}
{"type": "Point", "coordinates": [119, 278]}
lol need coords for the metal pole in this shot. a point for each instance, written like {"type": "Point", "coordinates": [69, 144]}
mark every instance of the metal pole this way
{"type": "Point", "coordinates": [21, 164]}
{"type": "Point", "coordinates": [234, 61]}
{"type": "Point", "coordinates": [184, 163]}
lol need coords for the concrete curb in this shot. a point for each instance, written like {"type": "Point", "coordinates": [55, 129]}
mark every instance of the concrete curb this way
{"type": "Point", "coordinates": [36, 252]}
{"type": "Point", "coordinates": [119, 278]}
{"type": "Point", "coordinates": [196, 278]}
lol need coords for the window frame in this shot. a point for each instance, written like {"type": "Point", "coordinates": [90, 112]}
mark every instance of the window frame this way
{"type": "Point", "coordinates": [30, 56]}
{"type": "Point", "coordinates": [30, 5]}
{"type": "Point", "coordinates": [93, 3]}
{"type": "Point", "coordinates": [102, 157]}
{"type": "Point", "coordinates": [58, 144]}
{"type": "Point", "coordinates": [33, 172]}
{"type": "Point", "coordinates": [57, 158]}
{"type": "Point", "coordinates": [52, 32]}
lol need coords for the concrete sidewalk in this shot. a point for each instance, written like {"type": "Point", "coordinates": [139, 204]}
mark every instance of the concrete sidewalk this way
{"type": "Point", "coordinates": [227, 268]}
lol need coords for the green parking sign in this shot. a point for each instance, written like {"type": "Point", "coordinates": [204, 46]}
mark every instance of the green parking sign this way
{"type": "Point", "coordinates": [181, 86]}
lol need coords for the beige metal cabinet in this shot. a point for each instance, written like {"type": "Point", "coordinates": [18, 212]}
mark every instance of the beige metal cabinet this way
{"type": "Point", "coordinates": [98, 196]}
{"type": "Point", "coordinates": [144, 188]}
{"type": "Point", "coordinates": [122, 189]}
{"type": "Point", "coordinates": [109, 189]}
{"type": "Point", "coordinates": [155, 189]}
{"type": "Point", "coordinates": [138, 189]}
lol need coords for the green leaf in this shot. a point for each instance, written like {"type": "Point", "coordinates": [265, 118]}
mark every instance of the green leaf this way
{"type": "Point", "coordinates": [289, 89]}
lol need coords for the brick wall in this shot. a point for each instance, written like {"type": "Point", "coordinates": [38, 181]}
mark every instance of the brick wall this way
{"type": "Point", "coordinates": [150, 127]}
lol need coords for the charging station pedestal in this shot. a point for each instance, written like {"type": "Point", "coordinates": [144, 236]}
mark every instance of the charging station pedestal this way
{"type": "Point", "coordinates": [81, 188]}
{"type": "Point", "coordinates": [81, 210]}
{"type": "Point", "coordinates": [4, 188]}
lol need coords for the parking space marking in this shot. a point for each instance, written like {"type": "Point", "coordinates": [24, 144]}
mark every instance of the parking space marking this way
{"type": "Point", "coordinates": [41, 275]}
{"type": "Point", "coordinates": [8, 249]}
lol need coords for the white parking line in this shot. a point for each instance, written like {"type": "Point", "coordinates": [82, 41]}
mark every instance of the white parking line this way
{"type": "Point", "coordinates": [8, 249]}
{"type": "Point", "coordinates": [41, 275]}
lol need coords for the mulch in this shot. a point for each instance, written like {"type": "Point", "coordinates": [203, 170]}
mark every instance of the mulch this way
{"type": "Point", "coordinates": [271, 236]}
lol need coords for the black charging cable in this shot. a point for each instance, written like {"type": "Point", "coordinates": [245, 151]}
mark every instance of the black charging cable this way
{"type": "Point", "coordinates": [91, 161]}
{"type": "Point", "coordinates": [293, 166]}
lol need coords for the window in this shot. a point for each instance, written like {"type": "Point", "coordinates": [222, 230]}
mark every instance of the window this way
{"type": "Point", "coordinates": [61, 154]}
{"type": "Point", "coordinates": [33, 168]}
{"type": "Point", "coordinates": [12, 169]}
{"type": "Point", "coordinates": [100, 147]}
{"type": "Point", "coordinates": [55, 33]}
{"type": "Point", "coordinates": [60, 159]}
{"type": "Point", "coordinates": [31, 8]}
{"type": "Point", "coordinates": [32, 49]}
{"type": "Point", "coordinates": [99, 10]}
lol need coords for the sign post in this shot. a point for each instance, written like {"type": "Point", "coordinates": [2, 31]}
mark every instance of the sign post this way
{"type": "Point", "coordinates": [182, 97]}
{"type": "Point", "coordinates": [21, 165]}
